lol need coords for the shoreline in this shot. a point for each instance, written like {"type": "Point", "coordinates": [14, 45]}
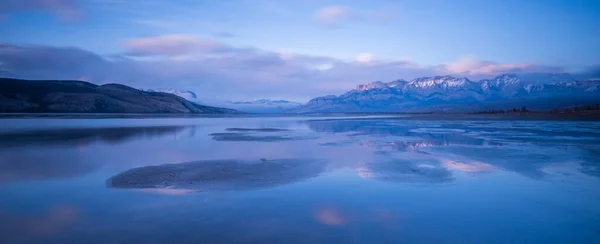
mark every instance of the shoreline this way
{"type": "Point", "coordinates": [317, 115]}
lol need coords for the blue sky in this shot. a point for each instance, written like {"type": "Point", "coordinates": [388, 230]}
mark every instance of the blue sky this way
{"type": "Point", "coordinates": [313, 47]}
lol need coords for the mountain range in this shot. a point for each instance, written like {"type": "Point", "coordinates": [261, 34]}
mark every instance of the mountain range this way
{"type": "Point", "coordinates": [63, 96]}
{"type": "Point", "coordinates": [452, 94]}
{"type": "Point", "coordinates": [264, 106]}
{"type": "Point", "coordinates": [537, 92]}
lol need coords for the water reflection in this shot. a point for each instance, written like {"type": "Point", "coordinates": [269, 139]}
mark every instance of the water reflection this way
{"type": "Point", "coordinates": [84, 136]}
{"type": "Point", "coordinates": [256, 135]}
{"type": "Point", "coordinates": [15, 228]}
{"type": "Point", "coordinates": [250, 137]}
{"type": "Point", "coordinates": [590, 160]}
{"type": "Point", "coordinates": [220, 174]}
{"type": "Point", "coordinates": [18, 164]}
{"type": "Point", "coordinates": [330, 215]}
{"type": "Point", "coordinates": [377, 183]}
{"type": "Point", "coordinates": [333, 215]}
{"type": "Point", "coordinates": [407, 171]}
{"type": "Point", "coordinates": [472, 147]}
{"type": "Point", "coordinates": [415, 133]}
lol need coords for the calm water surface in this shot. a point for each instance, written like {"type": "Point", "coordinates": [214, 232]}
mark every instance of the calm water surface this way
{"type": "Point", "coordinates": [299, 180]}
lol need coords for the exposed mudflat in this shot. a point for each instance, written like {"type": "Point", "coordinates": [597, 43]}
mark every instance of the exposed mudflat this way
{"type": "Point", "coordinates": [220, 174]}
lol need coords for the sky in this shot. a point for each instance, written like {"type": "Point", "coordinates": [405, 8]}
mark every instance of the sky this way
{"type": "Point", "coordinates": [292, 49]}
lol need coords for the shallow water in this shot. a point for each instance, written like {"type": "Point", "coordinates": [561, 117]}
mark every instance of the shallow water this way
{"type": "Point", "coordinates": [299, 180]}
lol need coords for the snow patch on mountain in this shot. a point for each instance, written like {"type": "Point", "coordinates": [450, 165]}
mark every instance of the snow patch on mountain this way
{"type": "Point", "coordinates": [188, 95]}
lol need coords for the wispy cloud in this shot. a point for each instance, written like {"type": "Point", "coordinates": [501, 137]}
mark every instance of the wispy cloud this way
{"type": "Point", "coordinates": [471, 65]}
{"type": "Point", "coordinates": [332, 15]}
{"type": "Point", "coordinates": [163, 24]}
{"type": "Point", "coordinates": [365, 58]}
{"type": "Point", "coordinates": [171, 45]}
{"type": "Point", "coordinates": [225, 34]}
{"type": "Point", "coordinates": [68, 10]}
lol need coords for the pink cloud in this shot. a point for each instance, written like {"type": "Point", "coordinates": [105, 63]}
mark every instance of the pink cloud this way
{"type": "Point", "coordinates": [171, 45]}
{"type": "Point", "coordinates": [332, 15]}
{"type": "Point", "coordinates": [365, 58]}
{"type": "Point", "coordinates": [472, 66]}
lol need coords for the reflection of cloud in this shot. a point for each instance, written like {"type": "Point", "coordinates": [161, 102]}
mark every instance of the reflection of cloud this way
{"type": "Point", "coordinates": [331, 216]}
{"type": "Point", "coordinates": [569, 168]}
{"type": "Point", "coordinates": [364, 172]}
{"type": "Point", "coordinates": [473, 167]}
{"type": "Point", "coordinates": [406, 171]}
{"type": "Point", "coordinates": [17, 227]}
{"type": "Point", "coordinates": [58, 218]}
{"type": "Point", "coordinates": [384, 216]}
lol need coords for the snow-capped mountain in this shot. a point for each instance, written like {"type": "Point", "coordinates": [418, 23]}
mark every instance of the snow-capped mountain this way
{"type": "Point", "coordinates": [264, 106]}
{"type": "Point", "coordinates": [188, 95]}
{"type": "Point", "coordinates": [447, 93]}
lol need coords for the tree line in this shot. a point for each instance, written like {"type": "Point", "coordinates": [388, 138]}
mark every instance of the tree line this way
{"type": "Point", "coordinates": [574, 109]}
{"type": "Point", "coordinates": [502, 111]}
{"type": "Point", "coordinates": [578, 109]}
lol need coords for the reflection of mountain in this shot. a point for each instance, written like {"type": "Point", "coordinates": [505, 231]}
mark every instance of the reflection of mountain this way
{"type": "Point", "coordinates": [17, 164]}
{"type": "Point", "coordinates": [405, 171]}
{"type": "Point", "coordinates": [79, 136]}
{"type": "Point", "coordinates": [469, 147]}
{"type": "Point", "coordinates": [423, 138]}
{"type": "Point", "coordinates": [220, 174]}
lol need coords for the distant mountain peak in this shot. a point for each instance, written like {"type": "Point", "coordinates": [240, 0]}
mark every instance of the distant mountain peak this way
{"type": "Point", "coordinates": [188, 95]}
{"type": "Point", "coordinates": [265, 102]}
{"type": "Point", "coordinates": [264, 105]}
{"type": "Point", "coordinates": [372, 85]}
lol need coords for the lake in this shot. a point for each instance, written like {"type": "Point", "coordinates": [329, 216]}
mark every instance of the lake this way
{"type": "Point", "coordinates": [372, 179]}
